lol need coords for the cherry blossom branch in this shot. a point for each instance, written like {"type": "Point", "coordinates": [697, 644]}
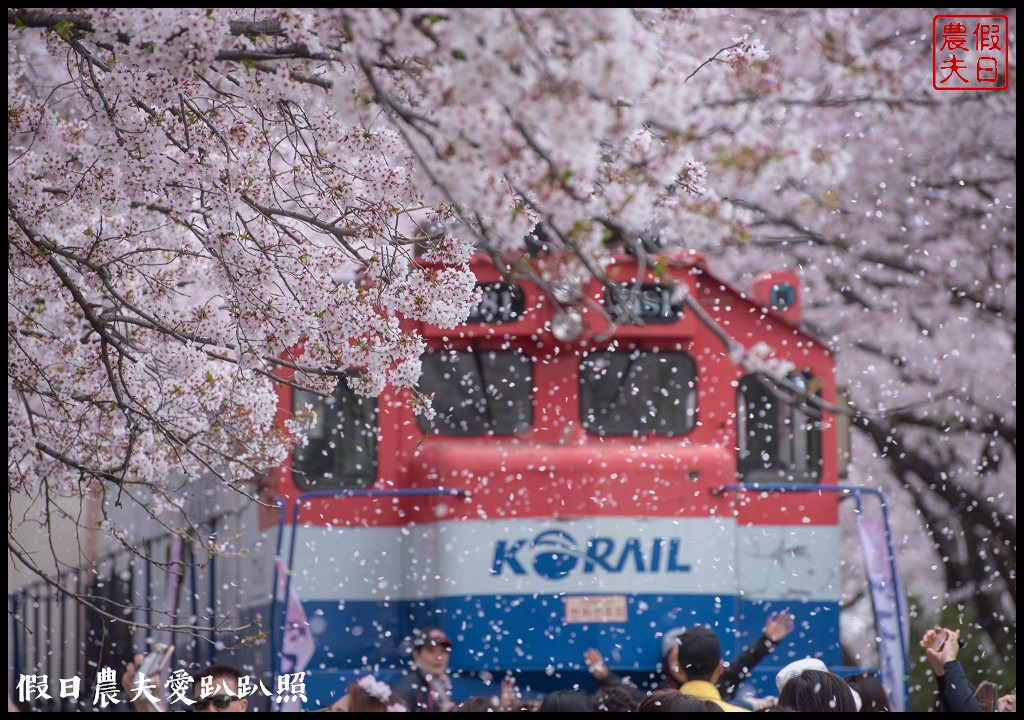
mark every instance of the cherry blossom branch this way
{"type": "Point", "coordinates": [890, 441]}
{"type": "Point", "coordinates": [711, 60]}
{"type": "Point", "coordinates": [89, 601]}
{"type": "Point", "coordinates": [148, 321]}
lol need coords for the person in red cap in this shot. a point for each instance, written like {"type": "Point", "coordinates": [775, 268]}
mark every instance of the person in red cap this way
{"type": "Point", "coordinates": [426, 687]}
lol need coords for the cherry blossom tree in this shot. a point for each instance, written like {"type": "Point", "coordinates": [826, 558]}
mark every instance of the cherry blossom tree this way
{"type": "Point", "coordinates": [897, 203]}
{"type": "Point", "coordinates": [192, 192]}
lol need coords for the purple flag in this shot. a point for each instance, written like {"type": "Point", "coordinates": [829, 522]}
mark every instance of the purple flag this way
{"type": "Point", "coordinates": [890, 608]}
{"type": "Point", "coordinates": [297, 645]}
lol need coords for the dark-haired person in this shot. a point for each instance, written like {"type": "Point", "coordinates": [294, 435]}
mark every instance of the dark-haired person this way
{"type": "Point", "coordinates": [426, 686]}
{"type": "Point", "coordinates": [776, 627]}
{"type": "Point", "coordinates": [567, 701]}
{"type": "Point", "coordinates": [700, 659]}
{"type": "Point", "coordinates": [817, 691]}
{"type": "Point", "coordinates": [872, 694]}
{"type": "Point", "coordinates": [477, 703]}
{"type": "Point", "coordinates": [671, 700]}
{"type": "Point", "coordinates": [617, 698]}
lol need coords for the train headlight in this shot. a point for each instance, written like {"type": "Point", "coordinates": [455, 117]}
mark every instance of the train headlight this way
{"type": "Point", "coordinates": [567, 325]}
{"type": "Point", "coordinates": [565, 292]}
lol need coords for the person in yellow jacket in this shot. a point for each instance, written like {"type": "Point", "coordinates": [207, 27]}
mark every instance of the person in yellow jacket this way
{"type": "Point", "coordinates": [700, 658]}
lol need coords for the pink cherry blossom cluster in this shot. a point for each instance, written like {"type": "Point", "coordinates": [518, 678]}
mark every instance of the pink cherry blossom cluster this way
{"type": "Point", "coordinates": [375, 688]}
{"type": "Point", "coordinates": [205, 201]}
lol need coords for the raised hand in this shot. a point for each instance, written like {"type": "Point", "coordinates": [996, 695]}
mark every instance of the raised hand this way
{"type": "Point", "coordinates": [510, 697]}
{"type": "Point", "coordinates": [1007, 703]}
{"type": "Point", "coordinates": [940, 646]}
{"type": "Point", "coordinates": [595, 664]}
{"type": "Point", "coordinates": [779, 625]}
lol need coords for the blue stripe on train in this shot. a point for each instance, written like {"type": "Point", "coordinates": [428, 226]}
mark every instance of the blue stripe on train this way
{"type": "Point", "coordinates": [526, 635]}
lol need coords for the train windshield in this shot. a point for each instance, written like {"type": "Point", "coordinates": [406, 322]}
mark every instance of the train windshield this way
{"type": "Point", "coordinates": [778, 441]}
{"type": "Point", "coordinates": [341, 449]}
{"type": "Point", "coordinates": [478, 392]}
{"type": "Point", "coordinates": [638, 393]}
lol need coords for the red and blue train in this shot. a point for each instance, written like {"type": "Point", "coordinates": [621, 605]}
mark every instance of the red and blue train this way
{"type": "Point", "coordinates": [608, 461]}
{"type": "Point", "coordinates": [576, 488]}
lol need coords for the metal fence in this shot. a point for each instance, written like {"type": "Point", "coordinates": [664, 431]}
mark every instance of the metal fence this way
{"type": "Point", "coordinates": [55, 635]}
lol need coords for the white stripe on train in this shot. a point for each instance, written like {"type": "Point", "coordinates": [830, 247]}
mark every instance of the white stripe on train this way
{"type": "Point", "coordinates": [690, 556]}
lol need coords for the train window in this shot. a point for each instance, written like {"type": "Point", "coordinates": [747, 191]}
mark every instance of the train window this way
{"type": "Point", "coordinates": [341, 451]}
{"type": "Point", "coordinates": [478, 392]}
{"type": "Point", "coordinates": [778, 442]}
{"type": "Point", "coordinates": [638, 393]}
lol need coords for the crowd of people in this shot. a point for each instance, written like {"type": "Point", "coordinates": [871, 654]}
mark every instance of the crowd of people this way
{"type": "Point", "coordinates": [695, 678]}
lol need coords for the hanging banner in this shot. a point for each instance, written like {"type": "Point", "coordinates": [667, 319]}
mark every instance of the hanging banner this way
{"type": "Point", "coordinates": [890, 610]}
{"type": "Point", "coordinates": [297, 646]}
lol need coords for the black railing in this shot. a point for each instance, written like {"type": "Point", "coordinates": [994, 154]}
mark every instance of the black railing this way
{"type": "Point", "coordinates": [52, 634]}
